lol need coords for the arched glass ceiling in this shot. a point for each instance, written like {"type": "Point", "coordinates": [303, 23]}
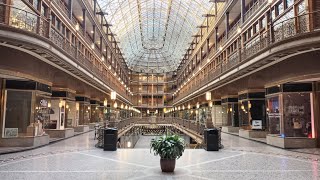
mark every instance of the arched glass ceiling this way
{"type": "Point", "coordinates": [154, 34]}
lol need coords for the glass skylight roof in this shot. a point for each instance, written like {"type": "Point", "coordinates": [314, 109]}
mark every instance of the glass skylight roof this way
{"type": "Point", "coordinates": [154, 34]}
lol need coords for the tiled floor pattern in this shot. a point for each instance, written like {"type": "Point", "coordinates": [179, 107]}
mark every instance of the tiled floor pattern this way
{"type": "Point", "coordinates": [77, 158]}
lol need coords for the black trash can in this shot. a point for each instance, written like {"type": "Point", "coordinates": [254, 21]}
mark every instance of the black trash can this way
{"type": "Point", "coordinates": [110, 139]}
{"type": "Point", "coordinates": [211, 139]}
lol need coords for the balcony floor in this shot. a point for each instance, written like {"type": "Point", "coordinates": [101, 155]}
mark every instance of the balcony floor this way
{"type": "Point", "coordinates": [77, 158]}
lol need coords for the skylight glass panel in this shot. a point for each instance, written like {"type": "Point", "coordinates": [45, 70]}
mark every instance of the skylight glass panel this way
{"type": "Point", "coordinates": [154, 34]}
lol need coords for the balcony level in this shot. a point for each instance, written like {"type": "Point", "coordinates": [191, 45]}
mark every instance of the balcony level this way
{"type": "Point", "coordinates": [57, 43]}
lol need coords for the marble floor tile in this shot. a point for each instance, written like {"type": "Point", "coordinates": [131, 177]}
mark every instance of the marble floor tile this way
{"type": "Point", "coordinates": [77, 158]}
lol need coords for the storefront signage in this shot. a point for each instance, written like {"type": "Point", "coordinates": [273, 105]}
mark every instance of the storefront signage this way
{"type": "Point", "coordinates": [296, 110]}
{"type": "Point", "coordinates": [43, 103]}
{"type": "Point", "coordinates": [11, 132]}
{"type": "Point", "coordinates": [256, 124]}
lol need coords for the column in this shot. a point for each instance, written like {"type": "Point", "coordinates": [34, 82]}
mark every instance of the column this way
{"type": "Point", "coordinates": [70, 8]}
{"type": "Point", "coordinates": [227, 25]}
{"type": "Point", "coordinates": [216, 39]}
{"type": "Point", "coordinates": [94, 7]}
{"type": "Point", "coordinates": [243, 10]}
{"type": "Point", "coordinates": [94, 34]}
{"type": "Point", "coordinates": [101, 45]}
{"type": "Point", "coordinates": [84, 26]}
{"type": "Point", "coordinates": [316, 111]}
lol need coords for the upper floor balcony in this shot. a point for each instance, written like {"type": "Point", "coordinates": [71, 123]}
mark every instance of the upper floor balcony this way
{"type": "Point", "coordinates": [247, 47]}
{"type": "Point", "coordinates": [62, 36]}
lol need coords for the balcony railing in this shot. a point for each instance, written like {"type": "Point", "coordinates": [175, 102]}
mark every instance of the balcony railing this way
{"type": "Point", "coordinates": [38, 25]}
{"type": "Point", "coordinates": [190, 125]}
{"type": "Point", "coordinates": [253, 9]}
{"type": "Point", "coordinates": [276, 33]}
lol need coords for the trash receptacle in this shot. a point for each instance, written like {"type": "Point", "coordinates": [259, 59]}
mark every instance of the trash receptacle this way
{"type": "Point", "coordinates": [110, 139]}
{"type": "Point", "coordinates": [211, 139]}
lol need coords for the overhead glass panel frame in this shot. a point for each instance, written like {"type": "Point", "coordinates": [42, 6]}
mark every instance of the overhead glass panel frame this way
{"type": "Point", "coordinates": [154, 33]}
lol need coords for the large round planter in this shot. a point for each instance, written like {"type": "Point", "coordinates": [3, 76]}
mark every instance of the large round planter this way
{"type": "Point", "coordinates": [167, 165]}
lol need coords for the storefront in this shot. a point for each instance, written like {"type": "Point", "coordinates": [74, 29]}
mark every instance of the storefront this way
{"type": "Point", "coordinates": [63, 113]}
{"type": "Point", "coordinates": [216, 113]}
{"type": "Point", "coordinates": [290, 115]}
{"type": "Point", "coordinates": [96, 113]}
{"type": "Point", "coordinates": [252, 114]}
{"type": "Point", "coordinates": [26, 111]}
{"type": "Point", "coordinates": [230, 116]}
{"type": "Point", "coordinates": [83, 108]}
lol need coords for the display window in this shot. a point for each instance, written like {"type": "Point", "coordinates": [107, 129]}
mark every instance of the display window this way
{"type": "Point", "coordinates": [297, 115]}
{"type": "Point", "coordinates": [26, 113]}
{"type": "Point", "coordinates": [84, 114]}
{"type": "Point", "coordinates": [273, 114]}
{"type": "Point", "coordinates": [290, 114]}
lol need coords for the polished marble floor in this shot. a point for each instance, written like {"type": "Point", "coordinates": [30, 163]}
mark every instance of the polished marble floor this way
{"type": "Point", "coordinates": [77, 158]}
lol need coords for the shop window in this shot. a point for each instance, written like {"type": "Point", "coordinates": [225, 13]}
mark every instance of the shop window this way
{"type": "Point", "coordinates": [273, 114]}
{"type": "Point", "coordinates": [273, 13]}
{"type": "Point", "coordinates": [297, 115]}
{"type": "Point", "coordinates": [42, 112]}
{"type": "Point", "coordinates": [280, 8]}
{"type": "Point", "coordinates": [301, 8]}
{"type": "Point", "coordinates": [22, 16]}
{"type": "Point", "coordinates": [18, 113]}
{"type": "Point", "coordinates": [289, 2]}
{"type": "Point", "coordinates": [263, 22]}
{"type": "Point", "coordinates": [44, 10]}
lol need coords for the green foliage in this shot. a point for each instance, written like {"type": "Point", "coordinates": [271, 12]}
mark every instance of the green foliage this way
{"type": "Point", "coordinates": [168, 147]}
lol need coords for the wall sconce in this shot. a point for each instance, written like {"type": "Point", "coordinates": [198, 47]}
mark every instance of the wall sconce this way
{"type": "Point", "coordinates": [189, 107]}
{"type": "Point", "coordinates": [238, 30]}
{"type": "Point", "coordinates": [105, 103]}
{"type": "Point", "coordinates": [61, 103]}
{"type": "Point", "coordinates": [210, 104]}
{"type": "Point", "coordinates": [49, 104]}
{"type": "Point", "coordinates": [115, 105]}
{"type": "Point", "coordinates": [113, 95]}
{"type": "Point", "coordinates": [183, 107]}
{"type": "Point", "coordinates": [77, 106]}
{"type": "Point", "coordinates": [198, 105]}
{"type": "Point", "coordinates": [89, 108]}
{"type": "Point", "coordinates": [77, 27]}
{"type": "Point", "coordinates": [121, 106]}
{"type": "Point", "coordinates": [67, 106]}
{"type": "Point", "coordinates": [208, 96]}
{"type": "Point", "coordinates": [92, 46]}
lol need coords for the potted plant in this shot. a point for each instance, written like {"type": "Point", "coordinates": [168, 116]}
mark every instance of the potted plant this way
{"type": "Point", "coordinates": [169, 148]}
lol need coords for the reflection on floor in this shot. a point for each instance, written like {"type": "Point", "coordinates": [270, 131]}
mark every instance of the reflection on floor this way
{"type": "Point", "coordinates": [144, 142]}
{"type": "Point", "coordinates": [77, 158]}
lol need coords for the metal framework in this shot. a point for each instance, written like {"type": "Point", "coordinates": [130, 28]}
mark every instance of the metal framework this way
{"type": "Point", "coordinates": [154, 33]}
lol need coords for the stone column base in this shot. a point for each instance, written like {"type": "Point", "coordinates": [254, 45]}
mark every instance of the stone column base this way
{"type": "Point", "coordinates": [252, 133]}
{"type": "Point", "coordinates": [81, 128]}
{"type": "Point", "coordinates": [291, 142]}
{"type": "Point", "coordinates": [28, 141]}
{"type": "Point", "coordinates": [230, 129]}
{"type": "Point", "coordinates": [60, 133]}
